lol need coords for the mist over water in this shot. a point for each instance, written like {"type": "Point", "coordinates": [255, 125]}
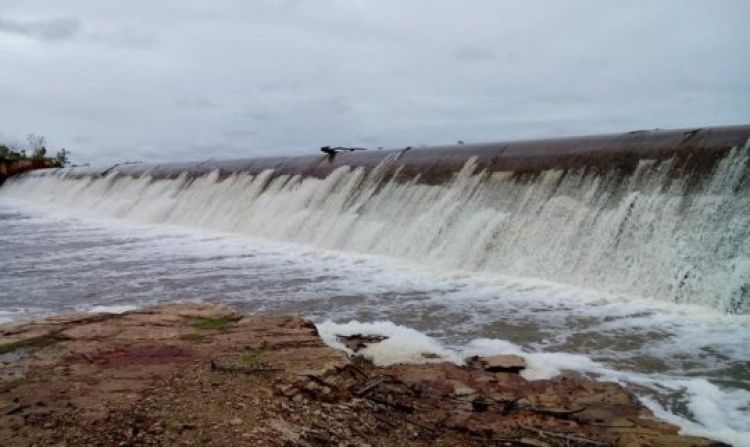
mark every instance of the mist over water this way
{"type": "Point", "coordinates": [641, 278]}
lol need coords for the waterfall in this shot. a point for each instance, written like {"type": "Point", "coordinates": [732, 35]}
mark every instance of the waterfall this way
{"type": "Point", "coordinates": [646, 233]}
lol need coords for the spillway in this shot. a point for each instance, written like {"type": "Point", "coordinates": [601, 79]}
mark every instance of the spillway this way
{"type": "Point", "coordinates": [663, 215]}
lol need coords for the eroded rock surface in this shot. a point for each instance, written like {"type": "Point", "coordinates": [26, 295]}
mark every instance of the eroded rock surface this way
{"type": "Point", "coordinates": [194, 374]}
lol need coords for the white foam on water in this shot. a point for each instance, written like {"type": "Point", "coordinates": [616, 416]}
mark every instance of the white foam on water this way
{"type": "Point", "coordinates": [541, 365]}
{"type": "Point", "coordinates": [719, 414]}
{"type": "Point", "coordinates": [403, 345]}
{"type": "Point", "coordinates": [114, 309]}
{"type": "Point", "coordinates": [6, 317]}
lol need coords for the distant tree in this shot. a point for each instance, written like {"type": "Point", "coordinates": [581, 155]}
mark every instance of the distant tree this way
{"type": "Point", "coordinates": [36, 144]}
{"type": "Point", "coordinates": [62, 157]}
{"type": "Point", "coordinates": [9, 153]}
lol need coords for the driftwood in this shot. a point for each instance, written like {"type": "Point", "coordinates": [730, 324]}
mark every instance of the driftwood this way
{"type": "Point", "coordinates": [369, 386]}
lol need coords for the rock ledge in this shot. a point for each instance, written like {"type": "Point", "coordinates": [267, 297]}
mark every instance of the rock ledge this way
{"type": "Point", "coordinates": [199, 374]}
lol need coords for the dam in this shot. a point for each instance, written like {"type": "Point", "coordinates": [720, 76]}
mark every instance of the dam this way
{"type": "Point", "coordinates": [664, 214]}
{"type": "Point", "coordinates": [625, 256]}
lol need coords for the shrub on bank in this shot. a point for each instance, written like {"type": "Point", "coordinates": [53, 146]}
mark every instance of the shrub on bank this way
{"type": "Point", "coordinates": [36, 144]}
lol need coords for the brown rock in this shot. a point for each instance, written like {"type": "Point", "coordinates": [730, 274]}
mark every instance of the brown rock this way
{"type": "Point", "coordinates": [145, 377]}
{"type": "Point", "coordinates": [508, 363]}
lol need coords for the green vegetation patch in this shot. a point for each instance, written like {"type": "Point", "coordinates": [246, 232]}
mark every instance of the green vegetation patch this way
{"type": "Point", "coordinates": [37, 145]}
{"type": "Point", "coordinates": [213, 324]}
{"type": "Point", "coordinates": [37, 342]}
{"type": "Point", "coordinates": [251, 357]}
{"type": "Point", "coordinates": [10, 347]}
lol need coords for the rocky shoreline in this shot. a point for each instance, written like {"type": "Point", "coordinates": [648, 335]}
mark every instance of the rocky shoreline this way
{"type": "Point", "coordinates": [202, 374]}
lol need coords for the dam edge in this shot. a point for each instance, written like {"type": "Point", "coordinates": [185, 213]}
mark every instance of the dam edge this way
{"type": "Point", "coordinates": [694, 150]}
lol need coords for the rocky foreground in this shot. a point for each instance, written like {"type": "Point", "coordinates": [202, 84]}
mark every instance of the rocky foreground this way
{"type": "Point", "coordinates": [192, 374]}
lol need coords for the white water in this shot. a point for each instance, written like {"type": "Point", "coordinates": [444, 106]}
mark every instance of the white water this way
{"type": "Point", "coordinates": [707, 402]}
{"type": "Point", "coordinates": [664, 309]}
{"type": "Point", "coordinates": [642, 235]}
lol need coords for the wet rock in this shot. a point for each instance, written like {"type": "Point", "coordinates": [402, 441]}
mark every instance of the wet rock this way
{"type": "Point", "coordinates": [356, 342]}
{"type": "Point", "coordinates": [508, 363]}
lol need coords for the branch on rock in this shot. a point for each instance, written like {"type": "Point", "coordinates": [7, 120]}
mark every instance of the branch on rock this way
{"type": "Point", "coordinates": [369, 386]}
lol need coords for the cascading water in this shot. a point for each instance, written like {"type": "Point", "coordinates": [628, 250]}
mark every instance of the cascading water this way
{"type": "Point", "coordinates": [648, 233]}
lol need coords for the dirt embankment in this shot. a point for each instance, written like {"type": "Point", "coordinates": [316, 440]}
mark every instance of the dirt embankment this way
{"type": "Point", "coordinates": [10, 168]}
{"type": "Point", "coordinates": [193, 374]}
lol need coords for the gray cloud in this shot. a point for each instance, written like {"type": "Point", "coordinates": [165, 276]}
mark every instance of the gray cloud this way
{"type": "Point", "coordinates": [189, 79]}
{"type": "Point", "coordinates": [47, 30]}
{"type": "Point", "coordinates": [473, 53]}
{"type": "Point", "coordinates": [125, 37]}
{"type": "Point", "coordinates": [199, 103]}
{"type": "Point", "coordinates": [240, 132]}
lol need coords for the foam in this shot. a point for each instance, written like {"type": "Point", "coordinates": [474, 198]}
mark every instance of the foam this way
{"type": "Point", "coordinates": [404, 345]}
{"type": "Point", "coordinates": [719, 414]}
{"type": "Point", "coordinates": [6, 317]}
{"type": "Point", "coordinates": [112, 309]}
{"type": "Point", "coordinates": [540, 365]}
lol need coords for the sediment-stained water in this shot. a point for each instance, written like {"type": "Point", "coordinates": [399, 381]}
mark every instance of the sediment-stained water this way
{"type": "Point", "coordinates": [642, 279]}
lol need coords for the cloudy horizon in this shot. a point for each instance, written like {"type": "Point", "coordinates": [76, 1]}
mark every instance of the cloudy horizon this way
{"type": "Point", "coordinates": [190, 80]}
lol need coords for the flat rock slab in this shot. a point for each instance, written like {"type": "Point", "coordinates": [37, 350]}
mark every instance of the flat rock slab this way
{"type": "Point", "coordinates": [504, 363]}
{"type": "Point", "coordinates": [200, 374]}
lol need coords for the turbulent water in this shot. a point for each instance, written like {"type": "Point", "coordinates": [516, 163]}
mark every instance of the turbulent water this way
{"type": "Point", "coordinates": [643, 279]}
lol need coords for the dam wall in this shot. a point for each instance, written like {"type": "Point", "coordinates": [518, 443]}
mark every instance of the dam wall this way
{"type": "Point", "coordinates": [695, 151]}
{"type": "Point", "coordinates": [658, 215]}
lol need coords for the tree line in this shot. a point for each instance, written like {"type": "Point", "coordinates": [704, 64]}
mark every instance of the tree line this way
{"type": "Point", "coordinates": [36, 149]}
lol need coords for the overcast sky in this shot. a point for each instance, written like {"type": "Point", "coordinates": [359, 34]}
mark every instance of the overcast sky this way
{"type": "Point", "coordinates": [184, 80]}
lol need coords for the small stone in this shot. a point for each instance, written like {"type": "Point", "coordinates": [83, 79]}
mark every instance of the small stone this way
{"type": "Point", "coordinates": [504, 363]}
{"type": "Point", "coordinates": [463, 390]}
{"type": "Point", "coordinates": [235, 421]}
{"type": "Point", "coordinates": [480, 404]}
